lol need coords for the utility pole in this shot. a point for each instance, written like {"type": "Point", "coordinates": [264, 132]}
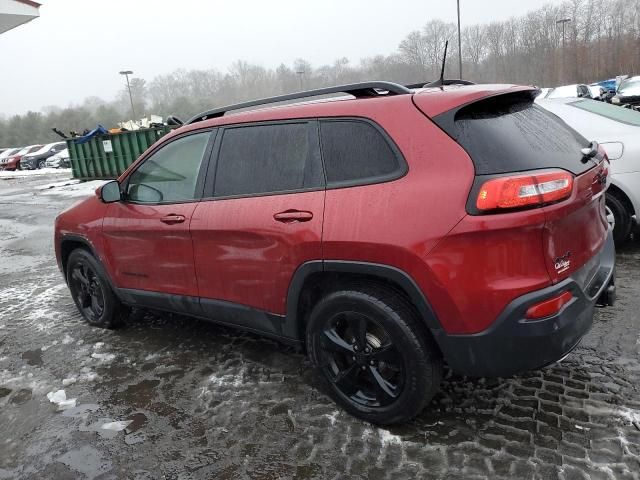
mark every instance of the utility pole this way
{"type": "Point", "coordinates": [564, 22]}
{"type": "Point", "coordinates": [300, 74]}
{"type": "Point", "coordinates": [126, 73]}
{"type": "Point", "coordinates": [459, 45]}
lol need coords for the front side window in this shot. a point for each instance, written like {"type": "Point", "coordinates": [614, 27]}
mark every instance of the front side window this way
{"type": "Point", "coordinates": [355, 151]}
{"type": "Point", "coordinates": [263, 159]}
{"type": "Point", "coordinates": [171, 173]}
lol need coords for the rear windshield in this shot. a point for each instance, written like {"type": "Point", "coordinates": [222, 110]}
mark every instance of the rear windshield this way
{"type": "Point", "coordinates": [511, 134]}
{"type": "Point", "coordinates": [622, 115]}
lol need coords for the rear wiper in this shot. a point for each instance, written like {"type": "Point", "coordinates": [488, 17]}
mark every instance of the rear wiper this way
{"type": "Point", "coordinates": [589, 152]}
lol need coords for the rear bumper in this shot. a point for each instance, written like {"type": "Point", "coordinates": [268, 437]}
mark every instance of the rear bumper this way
{"type": "Point", "coordinates": [513, 344]}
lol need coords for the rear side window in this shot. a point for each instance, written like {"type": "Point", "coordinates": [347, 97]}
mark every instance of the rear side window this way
{"type": "Point", "coordinates": [623, 115]}
{"type": "Point", "coordinates": [509, 134]}
{"type": "Point", "coordinates": [354, 151]}
{"type": "Point", "coordinates": [265, 159]}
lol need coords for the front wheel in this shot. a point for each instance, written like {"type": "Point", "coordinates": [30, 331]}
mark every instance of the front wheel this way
{"type": "Point", "coordinates": [91, 291]}
{"type": "Point", "coordinates": [373, 354]}
{"type": "Point", "coordinates": [42, 164]}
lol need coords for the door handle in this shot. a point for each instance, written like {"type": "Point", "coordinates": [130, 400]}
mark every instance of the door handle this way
{"type": "Point", "coordinates": [173, 219]}
{"type": "Point", "coordinates": [292, 216]}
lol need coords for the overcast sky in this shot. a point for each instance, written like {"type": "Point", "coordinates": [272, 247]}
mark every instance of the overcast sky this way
{"type": "Point", "coordinates": [77, 47]}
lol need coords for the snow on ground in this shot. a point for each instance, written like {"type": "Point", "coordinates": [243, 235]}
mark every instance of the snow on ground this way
{"type": "Point", "coordinates": [31, 173]}
{"type": "Point", "coordinates": [71, 188]}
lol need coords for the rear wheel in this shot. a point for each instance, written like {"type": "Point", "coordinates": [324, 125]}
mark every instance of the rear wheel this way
{"type": "Point", "coordinates": [42, 163]}
{"type": "Point", "coordinates": [373, 355]}
{"type": "Point", "coordinates": [618, 214]}
{"type": "Point", "coordinates": [91, 291]}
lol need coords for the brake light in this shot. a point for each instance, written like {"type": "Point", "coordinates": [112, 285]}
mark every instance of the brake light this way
{"type": "Point", "coordinates": [525, 190]}
{"type": "Point", "coordinates": [548, 307]}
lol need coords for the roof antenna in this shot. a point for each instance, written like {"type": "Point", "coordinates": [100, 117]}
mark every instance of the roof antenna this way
{"type": "Point", "coordinates": [441, 81]}
{"type": "Point", "coordinates": [444, 63]}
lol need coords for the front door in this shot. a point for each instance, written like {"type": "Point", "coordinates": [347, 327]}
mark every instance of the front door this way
{"type": "Point", "coordinates": [263, 220]}
{"type": "Point", "coordinates": [147, 241]}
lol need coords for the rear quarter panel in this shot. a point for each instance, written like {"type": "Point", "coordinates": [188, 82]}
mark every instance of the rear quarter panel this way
{"type": "Point", "coordinates": [398, 223]}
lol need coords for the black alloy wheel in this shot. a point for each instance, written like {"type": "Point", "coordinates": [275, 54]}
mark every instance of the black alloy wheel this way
{"type": "Point", "coordinates": [88, 291]}
{"type": "Point", "coordinates": [373, 354]}
{"type": "Point", "coordinates": [92, 292]}
{"type": "Point", "coordinates": [360, 359]}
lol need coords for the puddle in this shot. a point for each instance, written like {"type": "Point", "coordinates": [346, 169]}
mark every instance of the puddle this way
{"type": "Point", "coordinates": [33, 357]}
{"type": "Point", "coordinates": [86, 460]}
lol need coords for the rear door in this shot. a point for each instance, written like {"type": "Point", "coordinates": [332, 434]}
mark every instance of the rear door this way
{"type": "Point", "coordinates": [147, 241]}
{"type": "Point", "coordinates": [509, 134]}
{"type": "Point", "coordinates": [262, 220]}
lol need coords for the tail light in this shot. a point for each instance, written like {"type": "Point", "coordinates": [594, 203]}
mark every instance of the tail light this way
{"type": "Point", "coordinates": [525, 190]}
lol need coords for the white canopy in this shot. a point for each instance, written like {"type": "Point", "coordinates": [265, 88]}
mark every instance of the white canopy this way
{"type": "Point", "coordinates": [16, 12]}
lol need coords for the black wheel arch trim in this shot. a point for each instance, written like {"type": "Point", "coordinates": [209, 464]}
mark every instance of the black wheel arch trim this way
{"type": "Point", "coordinates": [385, 272]}
{"type": "Point", "coordinates": [87, 243]}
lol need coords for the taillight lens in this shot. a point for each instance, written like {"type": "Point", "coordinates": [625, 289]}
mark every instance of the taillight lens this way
{"type": "Point", "coordinates": [549, 307]}
{"type": "Point", "coordinates": [525, 190]}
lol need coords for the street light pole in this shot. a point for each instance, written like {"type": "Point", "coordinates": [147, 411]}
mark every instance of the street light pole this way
{"type": "Point", "coordinates": [563, 21]}
{"type": "Point", "coordinates": [300, 74]}
{"type": "Point", "coordinates": [459, 45]}
{"type": "Point", "coordinates": [126, 73]}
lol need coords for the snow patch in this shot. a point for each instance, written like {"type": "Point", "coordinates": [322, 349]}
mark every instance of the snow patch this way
{"type": "Point", "coordinates": [60, 399]}
{"type": "Point", "coordinates": [388, 438]}
{"type": "Point", "coordinates": [103, 357]}
{"type": "Point", "coordinates": [116, 426]}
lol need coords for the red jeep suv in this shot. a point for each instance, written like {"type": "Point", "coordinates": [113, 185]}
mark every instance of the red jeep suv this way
{"type": "Point", "coordinates": [387, 232]}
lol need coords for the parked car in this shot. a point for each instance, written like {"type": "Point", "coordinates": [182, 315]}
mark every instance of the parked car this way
{"type": "Point", "coordinates": [38, 158]}
{"type": "Point", "coordinates": [13, 162]}
{"type": "Point", "coordinates": [6, 154]}
{"type": "Point", "coordinates": [628, 92]}
{"type": "Point", "coordinates": [570, 91]}
{"type": "Point", "coordinates": [59, 160]}
{"type": "Point", "coordinates": [618, 131]}
{"type": "Point", "coordinates": [598, 92]}
{"type": "Point", "coordinates": [385, 234]}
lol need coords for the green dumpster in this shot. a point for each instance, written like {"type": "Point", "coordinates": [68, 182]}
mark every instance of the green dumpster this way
{"type": "Point", "coordinates": [107, 156]}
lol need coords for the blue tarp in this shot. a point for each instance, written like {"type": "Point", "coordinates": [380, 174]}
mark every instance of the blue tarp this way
{"type": "Point", "coordinates": [99, 130]}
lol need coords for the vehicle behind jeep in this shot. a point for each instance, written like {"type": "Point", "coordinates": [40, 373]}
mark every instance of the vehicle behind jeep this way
{"type": "Point", "coordinates": [386, 233]}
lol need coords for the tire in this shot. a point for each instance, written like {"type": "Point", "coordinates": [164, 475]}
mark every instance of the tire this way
{"type": "Point", "coordinates": [622, 218]}
{"type": "Point", "coordinates": [92, 292]}
{"type": "Point", "coordinates": [384, 373]}
{"type": "Point", "coordinates": [41, 164]}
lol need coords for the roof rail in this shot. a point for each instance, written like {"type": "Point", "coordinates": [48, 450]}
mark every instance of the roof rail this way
{"type": "Point", "coordinates": [358, 90]}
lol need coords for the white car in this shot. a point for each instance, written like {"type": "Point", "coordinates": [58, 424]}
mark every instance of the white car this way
{"type": "Point", "coordinates": [570, 91]}
{"type": "Point", "coordinates": [59, 160]}
{"type": "Point", "coordinates": [618, 131]}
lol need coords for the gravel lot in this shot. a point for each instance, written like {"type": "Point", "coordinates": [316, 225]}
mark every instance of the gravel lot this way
{"type": "Point", "coordinates": [185, 399]}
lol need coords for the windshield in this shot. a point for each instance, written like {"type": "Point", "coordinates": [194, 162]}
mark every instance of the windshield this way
{"type": "Point", "coordinates": [622, 115]}
{"type": "Point", "coordinates": [43, 149]}
{"type": "Point", "coordinates": [9, 153]}
{"type": "Point", "coordinates": [630, 85]}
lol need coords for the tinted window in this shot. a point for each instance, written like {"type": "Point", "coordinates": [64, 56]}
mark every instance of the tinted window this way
{"type": "Point", "coordinates": [624, 115]}
{"type": "Point", "coordinates": [504, 135]}
{"type": "Point", "coordinates": [356, 151]}
{"type": "Point", "coordinates": [267, 159]}
{"type": "Point", "coordinates": [171, 173]}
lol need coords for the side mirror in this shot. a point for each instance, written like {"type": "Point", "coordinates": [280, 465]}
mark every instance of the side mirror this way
{"type": "Point", "coordinates": [110, 192]}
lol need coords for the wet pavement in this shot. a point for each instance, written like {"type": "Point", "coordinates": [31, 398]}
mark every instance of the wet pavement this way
{"type": "Point", "coordinates": [169, 397]}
